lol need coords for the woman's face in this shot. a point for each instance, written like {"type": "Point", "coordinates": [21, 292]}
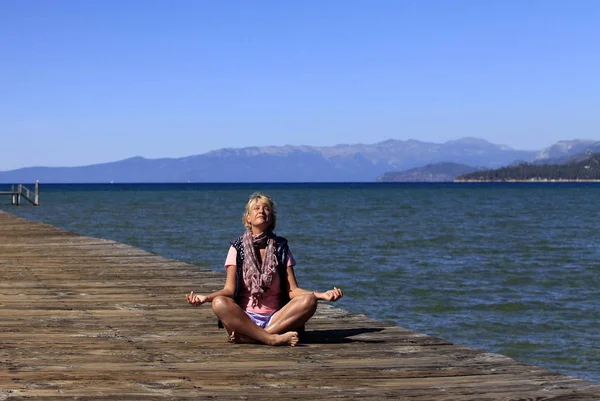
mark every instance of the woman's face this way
{"type": "Point", "coordinates": [259, 216]}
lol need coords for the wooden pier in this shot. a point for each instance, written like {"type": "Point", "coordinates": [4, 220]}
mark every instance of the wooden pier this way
{"type": "Point", "coordinates": [21, 191]}
{"type": "Point", "coordinates": [86, 318]}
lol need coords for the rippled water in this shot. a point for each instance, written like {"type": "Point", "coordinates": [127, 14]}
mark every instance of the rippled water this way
{"type": "Point", "coordinates": [508, 268]}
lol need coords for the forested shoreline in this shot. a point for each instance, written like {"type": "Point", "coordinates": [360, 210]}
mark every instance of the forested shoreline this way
{"type": "Point", "coordinates": [583, 170]}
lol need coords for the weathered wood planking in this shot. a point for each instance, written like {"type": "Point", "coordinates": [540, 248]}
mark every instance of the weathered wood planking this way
{"type": "Point", "coordinates": [88, 318]}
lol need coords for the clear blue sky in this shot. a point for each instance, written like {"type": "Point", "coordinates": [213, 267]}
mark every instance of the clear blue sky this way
{"type": "Point", "coordinates": [83, 82]}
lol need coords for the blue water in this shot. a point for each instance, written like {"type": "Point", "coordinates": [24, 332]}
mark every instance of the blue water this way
{"type": "Point", "coordinates": [507, 268]}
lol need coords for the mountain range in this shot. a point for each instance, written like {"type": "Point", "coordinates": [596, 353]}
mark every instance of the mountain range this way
{"type": "Point", "coordinates": [340, 163]}
{"type": "Point", "coordinates": [436, 172]}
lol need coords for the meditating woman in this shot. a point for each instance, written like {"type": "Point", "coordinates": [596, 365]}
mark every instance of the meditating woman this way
{"type": "Point", "coordinates": [261, 300]}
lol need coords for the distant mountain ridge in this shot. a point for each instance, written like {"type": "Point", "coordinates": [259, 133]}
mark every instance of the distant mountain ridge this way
{"type": "Point", "coordinates": [581, 168]}
{"type": "Point", "coordinates": [567, 151]}
{"type": "Point", "coordinates": [564, 148]}
{"type": "Point", "coordinates": [437, 172]}
{"type": "Point", "coordinates": [562, 152]}
{"type": "Point", "coordinates": [340, 163]}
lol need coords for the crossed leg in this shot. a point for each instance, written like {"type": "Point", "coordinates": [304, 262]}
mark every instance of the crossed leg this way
{"type": "Point", "coordinates": [294, 315]}
{"type": "Point", "coordinates": [236, 321]}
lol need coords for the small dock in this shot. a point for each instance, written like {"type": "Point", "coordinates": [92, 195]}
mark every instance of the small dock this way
{"type": "Point", "coordinates": [20, 191]}
{"type": "Point", "coordinates": [87, 318]}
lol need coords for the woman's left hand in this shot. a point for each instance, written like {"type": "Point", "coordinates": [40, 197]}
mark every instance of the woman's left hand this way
{"type": "Point", "coordinates": [332, 295]}
{"type": "Point", "coordinates": [196, 299]}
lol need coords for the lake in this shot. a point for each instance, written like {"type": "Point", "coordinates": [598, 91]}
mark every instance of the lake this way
{"type": "Point", "coordinates": [507, 268]}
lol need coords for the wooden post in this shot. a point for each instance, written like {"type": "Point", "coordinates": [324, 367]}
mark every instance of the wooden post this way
{"type": "Point", "coordinates": [37, 194]}
{"type": "Point", "coordinates": [19, 195]}
{"type": "Point", "coordinates": [13, 198]}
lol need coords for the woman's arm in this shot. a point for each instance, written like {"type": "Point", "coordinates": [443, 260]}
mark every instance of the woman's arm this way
{"type": "Point", "coordinates": [294, 291]}
{"type": "Point", "coordinates": [226, 291]}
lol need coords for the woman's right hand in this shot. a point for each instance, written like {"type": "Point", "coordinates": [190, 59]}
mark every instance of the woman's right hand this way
{"type": "Point", "coordinates": [331, 295]}
{"type": "Point", "coordinates": [196, 299]}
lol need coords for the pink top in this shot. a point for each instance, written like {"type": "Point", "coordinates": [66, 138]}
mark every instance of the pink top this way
{"type": "Point", "coordinates": [270, 300]}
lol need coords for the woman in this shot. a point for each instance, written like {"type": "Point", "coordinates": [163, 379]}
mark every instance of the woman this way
{"type": "Point", "coordinates": [261, 300]}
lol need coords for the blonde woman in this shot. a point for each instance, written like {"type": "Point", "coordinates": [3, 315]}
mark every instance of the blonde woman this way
{"type": "Point", "coordinates": [261, 301]}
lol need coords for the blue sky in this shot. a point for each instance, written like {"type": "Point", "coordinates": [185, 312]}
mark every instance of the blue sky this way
{"type": "Point", "coordinates": [84, 82]}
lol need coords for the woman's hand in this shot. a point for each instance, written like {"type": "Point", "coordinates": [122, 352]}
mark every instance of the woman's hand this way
{"type": "Point", "coordinates": [331, 295]}
{"type": "Point", "coordinates": [196, 299]}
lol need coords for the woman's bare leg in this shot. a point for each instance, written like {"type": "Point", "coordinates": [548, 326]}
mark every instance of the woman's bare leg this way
{"type": "Point", "coordinates": [236, 321]}
{"type": "Point", "coordinates": [293, 315]}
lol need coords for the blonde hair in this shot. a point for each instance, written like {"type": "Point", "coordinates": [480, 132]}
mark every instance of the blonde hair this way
{"type": "Point", "coordinates": [266, 199]}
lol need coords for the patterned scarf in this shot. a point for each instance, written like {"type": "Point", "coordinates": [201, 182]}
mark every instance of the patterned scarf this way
{"type": "Point", "coordinates": [257, 278]}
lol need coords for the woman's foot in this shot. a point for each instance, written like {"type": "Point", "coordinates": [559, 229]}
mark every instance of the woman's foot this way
{"type": "Point", "coordinates": [290, 338]}
{"type": "Point", "coordinates": [241, 339]}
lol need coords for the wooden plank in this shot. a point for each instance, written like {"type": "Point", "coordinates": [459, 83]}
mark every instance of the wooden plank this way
{"type": "Point", "coordinates": [94, 319]}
